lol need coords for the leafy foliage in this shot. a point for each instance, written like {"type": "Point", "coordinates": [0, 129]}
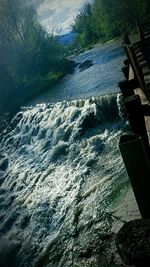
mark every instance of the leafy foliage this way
{"type": "Point", "coordinates": [28, 53]}
{"type": "Point", "coordinates": [105, 19]}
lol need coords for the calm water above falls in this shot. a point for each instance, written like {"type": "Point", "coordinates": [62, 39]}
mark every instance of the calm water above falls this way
{"type": "Point", "coordinates": [100, 79]}
{"type": "Point", "coordinates": [62, 173]}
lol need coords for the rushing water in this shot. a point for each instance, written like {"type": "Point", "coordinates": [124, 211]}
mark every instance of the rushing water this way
{"type": "Point", "coordinates": [61, 171]}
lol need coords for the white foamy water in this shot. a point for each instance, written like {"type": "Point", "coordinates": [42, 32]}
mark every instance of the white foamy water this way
{"type": "Point", "coordinates": [61, 174]}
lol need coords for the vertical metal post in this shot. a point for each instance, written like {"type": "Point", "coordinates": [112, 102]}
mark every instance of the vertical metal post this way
{"type": "Point", "coordinates": [138, 168]}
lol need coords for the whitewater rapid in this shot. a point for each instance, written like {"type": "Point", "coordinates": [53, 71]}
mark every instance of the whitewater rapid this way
{"type": "Point", "coordinates": [61, 175]}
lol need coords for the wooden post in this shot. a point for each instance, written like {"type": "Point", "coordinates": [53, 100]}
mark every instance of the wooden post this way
{"type": "Point", "coordinates": [126, 62]}
{"type": "Point", "coordinates": [127, 87]}
{"type": "Point", "coordinates": [136, 119]}
{"type": "Point", "coordinates": [126, 39]}
{"type": "Point", "coordinates": [125, 71]}
{"type": "Point", "coordinates": [126, 92]}
{"type": "Point", "coordinates": [138, 169]}
{"type": "Point", "coordinates": [146, 110]}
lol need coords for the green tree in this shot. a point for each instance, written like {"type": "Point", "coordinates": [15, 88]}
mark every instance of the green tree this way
{"type": "Point", "coordinates": [84, 25]}
{"type": "Point", "coordinates": [30, 58]}
{"type": "Point", "coordinates": [107, 19]}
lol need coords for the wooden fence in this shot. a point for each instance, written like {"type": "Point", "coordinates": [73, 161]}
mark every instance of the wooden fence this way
{"type": "Point", "coordinates": [135, 147]}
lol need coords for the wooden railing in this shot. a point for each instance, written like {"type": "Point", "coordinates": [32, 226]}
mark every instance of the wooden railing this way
{"type": "Point", "coordinates": [135, 147]}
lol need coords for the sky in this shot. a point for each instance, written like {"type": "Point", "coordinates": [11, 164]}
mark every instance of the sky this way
{"type": "Point", "coordinates": [57, 15]}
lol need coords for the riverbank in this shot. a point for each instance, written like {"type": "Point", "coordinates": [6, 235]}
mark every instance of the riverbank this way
{"type": "Point", "coordinates": [88, 83]}
{"type": "Point", "coordinates": [32, 89]}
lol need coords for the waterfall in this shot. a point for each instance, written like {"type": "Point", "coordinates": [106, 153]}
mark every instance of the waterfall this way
{"type": "Point", "coordinates": [60, 171]}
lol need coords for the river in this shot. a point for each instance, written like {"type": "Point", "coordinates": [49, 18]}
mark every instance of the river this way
{"type": "Point", "coordinates": [61, 170]}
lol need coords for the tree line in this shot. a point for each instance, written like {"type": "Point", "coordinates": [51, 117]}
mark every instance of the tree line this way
{"type": "Point", "coordinates": [30, 58]}
{"type": "Point", "coordinates": [106, 19]}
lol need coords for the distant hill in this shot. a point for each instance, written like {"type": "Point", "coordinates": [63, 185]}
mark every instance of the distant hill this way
{"type": "Point", "coordinates": [68, 38]}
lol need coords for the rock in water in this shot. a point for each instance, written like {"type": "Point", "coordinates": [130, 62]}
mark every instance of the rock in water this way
{"type": "Point", "coordinates": [133, 243]}
{"type": "Point", "coordinates": [85, 65]}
